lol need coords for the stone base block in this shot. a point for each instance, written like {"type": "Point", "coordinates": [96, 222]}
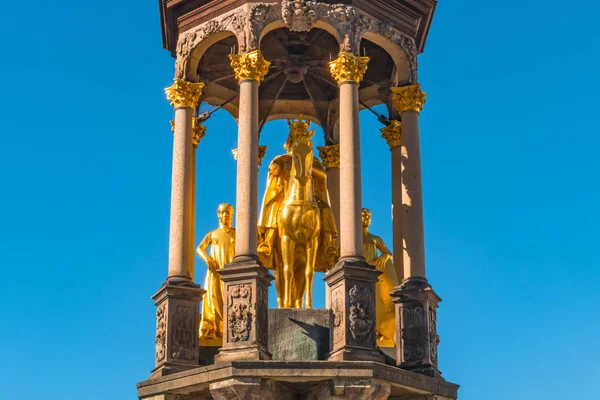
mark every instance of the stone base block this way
{"type": "Point", "coordinates": [299, 334]}
{"type": "Point", "coordinates": [298, 380]}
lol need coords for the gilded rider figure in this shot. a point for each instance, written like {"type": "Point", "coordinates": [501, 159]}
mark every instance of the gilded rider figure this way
{"type": "Point", "coordinates": [278, 180]}
{"type": "Point", "coordinates": [222, 251]}
{"type": "Point", "coordinates": [386, 315]}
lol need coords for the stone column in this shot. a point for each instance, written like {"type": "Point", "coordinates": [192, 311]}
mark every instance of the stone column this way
{"type": "Point", "coordinates": [416, 302]}
{"type": "Point", "coordinates": [393, 136]}
{"type": "Point", "coordinates": [198, 132]}
{"type": "Point", "coordinates": [351, 283]}
{"type": "Point", "coordinates": [246, 280]}
{"type": "Point", "coordinates": [184, 97]}
{"type": "Point", "coordinates": [178, 299]}
{"type": "Point", "coordinates": [409, 101]}
{"type": "Point", "coordinates": [330, 155]}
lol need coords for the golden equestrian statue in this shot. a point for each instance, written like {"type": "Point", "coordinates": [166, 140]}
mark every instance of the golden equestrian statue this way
{"type": "Point", "coordinates": [222, 250]}
{"type": "Point", "coordinates": [297, 232]}
{"type": "Point", "coordinates": [386, 314]}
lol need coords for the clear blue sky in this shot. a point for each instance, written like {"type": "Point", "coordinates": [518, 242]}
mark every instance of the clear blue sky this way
{"type": "Point", "coordinates": [510, 168]}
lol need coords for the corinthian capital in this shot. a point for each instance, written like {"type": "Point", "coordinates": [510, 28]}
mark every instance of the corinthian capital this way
{"type": "Point", "coordinates": [348, 67]}
{"type": "Point", "coordinates": [250, 65]}
{"type": "Point", "coordinates": [184, 94]}
{"type": "Point", "coordinates": [330, 155]}
{"type": "Point", "coordinates": [393, 134]}
{"type": "Point", "coordinates": [409, 98]}
{"type": "Point", "coordinates": [198, 131]}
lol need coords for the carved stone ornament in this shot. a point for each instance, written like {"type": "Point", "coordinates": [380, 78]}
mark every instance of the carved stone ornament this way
{"type": "Point", "coordinates": [239, 321]}
{"type": "Point", "coordinates": [250, 65]}
{"type": "Point", "coordinates": [338, 317]}
{"type": "Point", "coordinates": [412, 333]}
{"type": "Point", "coordinates": [348, 67]}
{"type": "Point", "coordinates": [183, 333]}
{"type": "Point", "coordinates": [184, 94]}
{"type": "Point", "coordinates": [361, 314]}
{"type": "Point", "coordinates": [330, 155]}
{"type": "Point", "coordinates": [161, 333]}
{"type": "Point", "coordinates": [393, 133]}
{"type": "Point", "coordinates": [434, 339]}
{"type": "Point", "coordinates": [408, 98]}
{"type": "Point", "coordinates": [298, 15]}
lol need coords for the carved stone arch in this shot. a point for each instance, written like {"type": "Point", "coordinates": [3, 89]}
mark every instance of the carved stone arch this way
{"type": "Point", "coordinates": [405, 58]}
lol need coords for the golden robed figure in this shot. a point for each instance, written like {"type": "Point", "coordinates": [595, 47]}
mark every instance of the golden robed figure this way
{"type": "Point", "coordinates": [388, 280]}
{"type": "Point", "coordinates": [222, 249]}
{"type": "Point", "coordinates": [297, 232]}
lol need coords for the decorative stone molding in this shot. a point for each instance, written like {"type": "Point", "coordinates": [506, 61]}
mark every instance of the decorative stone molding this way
{"type": "Point", "coordinates": [248, 22]}
{"type": "Point", "coordinates": [393, 134]}
{"type": "Point", "coordinates": [330, 155]}
{"type": "Point", "coordinates": [250, 65]}
{"type": "Point", "coordinates": [298, 15]}
{"type": "Point", "coordinates": [184, 94]}
{"type": "Point", "coordinates": [409, 98]}
{"type": "Point", "coordinates": [348, 67]}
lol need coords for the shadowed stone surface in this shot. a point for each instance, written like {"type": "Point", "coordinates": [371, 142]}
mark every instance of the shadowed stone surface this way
{"type": "Point", "coordinates": [299, 334]}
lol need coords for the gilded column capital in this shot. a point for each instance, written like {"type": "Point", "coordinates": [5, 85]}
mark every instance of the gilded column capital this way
{"type": "Point", "coordinates": [184, 94]}
{"type": "Point", "coordinates": [393, 134]}
{"type": "Point", "coordinates": [198, 130]}
{"type": "Point", "coordinates": [250, 65]}
{"type": "Point", "coordinates": [409, 98]}
{"type": "Point", "coordinates": [348, 67]}
{"type": "Point", "coordinates": [330, 155]}
{"type": "Point", "coordinates": [262, 151]}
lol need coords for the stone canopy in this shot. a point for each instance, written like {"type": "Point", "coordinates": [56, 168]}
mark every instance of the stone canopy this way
{"type": "Point", "coordinates": [299, 45]}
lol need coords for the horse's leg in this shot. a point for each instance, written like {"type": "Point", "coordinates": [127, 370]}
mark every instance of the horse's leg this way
{"type": "Point", "coordinates": [300, 284]}
{"type": "Point", "coordinates": [311, 257]}
{"type": "Point", "coordinates": [288, 248]}
{"type": "Point", "coordinates": [278, 272]}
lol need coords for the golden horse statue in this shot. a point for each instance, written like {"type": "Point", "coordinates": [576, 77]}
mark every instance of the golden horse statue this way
{"type": "Point", "coordinates": [299, 225]}
{"type": "Point", "coordinates": [297, 232]}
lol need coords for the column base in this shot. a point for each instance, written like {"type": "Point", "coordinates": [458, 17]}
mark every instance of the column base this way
{"type": "Point", "coordinates": [416, 327]}
{"type": "Point", "coordinates": [351, 287]}
{"type": "Point", "coordinates": [177, 327]}
{"type": "Point", "coordinates": [245, 337]}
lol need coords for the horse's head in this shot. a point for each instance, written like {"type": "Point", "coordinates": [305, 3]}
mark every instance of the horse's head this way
{"type": "Point", "coordinates": [301, 149]}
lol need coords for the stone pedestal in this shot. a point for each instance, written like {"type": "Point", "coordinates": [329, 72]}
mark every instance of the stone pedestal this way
{"type": "Point", "coordinates": [351, 287]}
{"type": "Point", "coordinates": [416, 330]}
{"type": "Point", "coordinates": [245, 317]}
{"type": "Point", "coordinates": [176, 327]}
{"type": "Point", "coordinates": [299, 333]}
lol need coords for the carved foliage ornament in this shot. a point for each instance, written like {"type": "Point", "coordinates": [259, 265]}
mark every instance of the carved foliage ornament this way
{"type": "Point", "coordinates": [434, 339]}
{"type": "Point", "coordinates": [298, 15]}
{"type": "Point", "coordinates": [184, 94]}
{"type": "Point", "coordinates": [393, 133]}
{"type": "Point", "coordinates": [348, 67]}
{"type": "Point", "coordinates": [361, 314]}
{"type": "Point", "coordinates": [413, 332]}
{"type": "Point", "coordinates": [184, 333]}
{"type": "Point", "coordinates": [249, 66]}
{"type": "Point", "coordinates": [330, 155]}
{"type": "Point", "coordinates": [409, 98]}
{"type": "Point", "coordinates": [239, 315]}
{"type": "Point", "coordinates": [161, 333]}
{"type": "Point", "coordinates": [338, 317]}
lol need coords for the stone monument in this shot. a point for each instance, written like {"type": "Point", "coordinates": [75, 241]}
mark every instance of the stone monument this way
{"type": "Point", "coordinates": [307, 62]}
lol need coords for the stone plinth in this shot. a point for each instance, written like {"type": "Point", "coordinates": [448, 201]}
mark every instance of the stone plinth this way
{"type": "Point", "coordinates": [416, 327]}
{"type": "Point", "coordinates": [299, 334]}
{"type": "Point", "coordinates": [297, 380]}
{"type": "Point", "coordinates": [176, 327]}
{"type": "Point", "coordinates": [351, 287]}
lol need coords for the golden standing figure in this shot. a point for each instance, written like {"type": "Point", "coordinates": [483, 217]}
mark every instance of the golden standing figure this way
{"type": "Point", "coordinates": [296, 226]}
{"type": "Point", "coordinates": [386, 315]}
{"type": "Point", "coordinates": [222, 250]}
